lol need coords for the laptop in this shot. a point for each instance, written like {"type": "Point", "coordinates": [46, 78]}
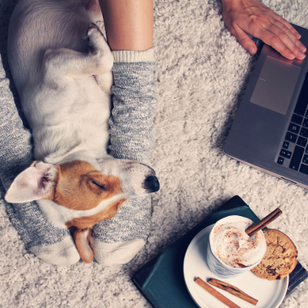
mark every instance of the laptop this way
{"type": "Point", "coordinates": [270, 129]}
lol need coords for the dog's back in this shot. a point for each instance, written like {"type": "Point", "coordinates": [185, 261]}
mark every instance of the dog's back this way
{"type": "Point", "coordinates": [30, 31]}
{"type": "Point", "coordinates": [66, 111]}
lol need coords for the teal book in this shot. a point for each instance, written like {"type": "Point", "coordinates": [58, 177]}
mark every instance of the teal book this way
{"type": "Point", "coordinates": [161, 280]}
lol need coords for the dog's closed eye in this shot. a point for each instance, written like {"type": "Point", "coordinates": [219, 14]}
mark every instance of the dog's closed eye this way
{"type": "Point", "coordinates": [99, 185]}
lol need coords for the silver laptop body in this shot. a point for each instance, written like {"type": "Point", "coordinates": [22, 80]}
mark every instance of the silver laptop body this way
{"type": "Point", "coordinates": [270, 130]}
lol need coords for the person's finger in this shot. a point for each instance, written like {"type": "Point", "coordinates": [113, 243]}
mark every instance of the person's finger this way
{"type": "Point", "coordinates": [292, 29]}
{"type": "Point", "coordinates": [282, 27]}
{"type": "Point", "coordinates": [289, 40]}
{"type": "Point", "coordinates": [286, 24]}
{"type": "Point", "coordinates": [285, 43]}
{"type": "Point", "coordinates": [274, 41]}
{"type": "Point", "coordinates": [244, 40]}
{"type": "Point", "coordinates": [285, 32]}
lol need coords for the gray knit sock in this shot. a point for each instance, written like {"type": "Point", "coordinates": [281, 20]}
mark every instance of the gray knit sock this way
{"type": "Point", "coordinates": [49, 243]}
{"type": "Point", "coordinates": [118, 240]}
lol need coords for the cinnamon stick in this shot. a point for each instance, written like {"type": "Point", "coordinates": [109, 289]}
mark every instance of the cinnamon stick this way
{"type": "Point", "coordinates": [215, 293]}
{"type": "Point", "coordinates": [233, 290]}
{"type": "Point", "coordinates": [254, 228]}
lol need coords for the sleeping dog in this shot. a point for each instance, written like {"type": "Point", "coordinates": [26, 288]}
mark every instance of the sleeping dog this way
{"type": "Point", "coordinates": [61, 66]}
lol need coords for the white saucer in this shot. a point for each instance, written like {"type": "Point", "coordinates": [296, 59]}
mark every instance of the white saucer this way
{"type": "Point", "coordinates": [269, 294]}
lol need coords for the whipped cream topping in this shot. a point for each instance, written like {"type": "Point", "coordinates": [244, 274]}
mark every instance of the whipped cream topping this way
{"type": "Point", "coordinates": [231, 244]}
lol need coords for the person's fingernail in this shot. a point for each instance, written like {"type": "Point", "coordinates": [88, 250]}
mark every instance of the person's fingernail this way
{"type": "Point", "coordinates": [301, 55]}
{"type": "Point", "coordinates": [298, 35]}
{"type": "Point", "coordinates": [302, 48]}
{"type": "Point", "coordinates": [291, 56]}
{"type": "Point", "coordinates": [252, 50]}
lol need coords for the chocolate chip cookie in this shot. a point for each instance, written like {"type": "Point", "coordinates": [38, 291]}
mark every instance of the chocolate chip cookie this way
{"type": "Point", "coordinates": [280, 258]}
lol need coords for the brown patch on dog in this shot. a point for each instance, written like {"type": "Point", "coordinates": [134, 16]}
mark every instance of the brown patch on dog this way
{"type": "Point", "coordinates": [90, 221]}
{"type": "Point", "coordinates": [80, 186]}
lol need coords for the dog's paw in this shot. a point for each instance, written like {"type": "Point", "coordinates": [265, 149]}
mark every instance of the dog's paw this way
{"type": "Point", "coordinates": [95, 38]}
{"type": "Point", "coordinates": [93, 32]}
{"type": "Point", "coordinates": [99, 49]}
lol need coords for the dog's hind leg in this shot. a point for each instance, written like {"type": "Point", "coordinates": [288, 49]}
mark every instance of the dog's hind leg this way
{"type": "Point", "coordinates": [66, 62]}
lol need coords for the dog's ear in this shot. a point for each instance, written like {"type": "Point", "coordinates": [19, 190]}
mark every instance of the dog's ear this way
{"type": "Point", "coordinates": [34, 183]}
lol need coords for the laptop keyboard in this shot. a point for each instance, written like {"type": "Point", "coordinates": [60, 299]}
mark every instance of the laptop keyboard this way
{"type": "Point", "coordinates": [294, 150]}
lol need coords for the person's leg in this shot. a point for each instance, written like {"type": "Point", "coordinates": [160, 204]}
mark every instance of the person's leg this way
{"type": "Point", "coordinates": [129, 24]}
{"type": "Point", "coordinates": [129, 27]}
{"type": "Point", "coordinates": [131, 137]}
{"type": "Point", "coordinates": [51, 244]}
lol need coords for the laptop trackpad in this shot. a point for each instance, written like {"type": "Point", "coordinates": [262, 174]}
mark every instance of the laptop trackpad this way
{"type": "Point", "coordinates": [276, 84]}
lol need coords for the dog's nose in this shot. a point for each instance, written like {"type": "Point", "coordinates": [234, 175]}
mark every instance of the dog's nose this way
{"type": "Point", "coordinates": [151, 184]}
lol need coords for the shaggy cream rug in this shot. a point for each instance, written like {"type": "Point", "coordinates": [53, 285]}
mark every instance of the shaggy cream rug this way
{"type": "Point", "coordinates": [201, 74]}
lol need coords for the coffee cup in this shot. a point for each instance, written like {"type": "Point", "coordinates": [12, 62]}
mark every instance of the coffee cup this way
{"type": "Point", "coordinates": [230, 250]}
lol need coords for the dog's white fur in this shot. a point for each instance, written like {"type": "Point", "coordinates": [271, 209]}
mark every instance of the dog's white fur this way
{"type": "Point", "coordinates": [61, 65]}
{"type": "Point", "coordinates": [64, 91]}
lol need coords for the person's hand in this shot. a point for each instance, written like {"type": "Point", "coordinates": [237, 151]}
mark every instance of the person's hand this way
{"type": "Point", "coordinates": [244, 17]}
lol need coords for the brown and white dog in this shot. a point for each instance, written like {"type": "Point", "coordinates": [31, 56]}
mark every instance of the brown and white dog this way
{"type": "Point", "coordinates": [60, 63]}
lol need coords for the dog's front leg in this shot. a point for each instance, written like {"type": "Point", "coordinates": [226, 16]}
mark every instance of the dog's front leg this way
{"type": "Point", "coordinates": [66, 62]}
{"type": "Point", "coordinates": [82, 241]}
